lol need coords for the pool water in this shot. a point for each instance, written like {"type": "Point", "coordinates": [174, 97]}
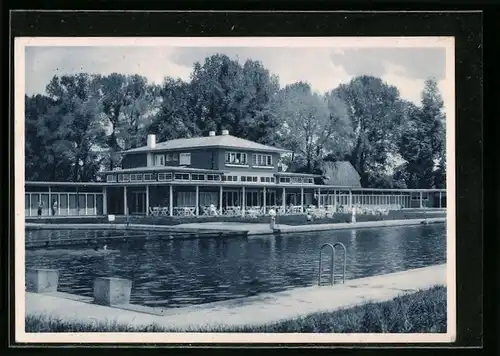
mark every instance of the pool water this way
{"type": "Point", "coordinates": [176, 273]}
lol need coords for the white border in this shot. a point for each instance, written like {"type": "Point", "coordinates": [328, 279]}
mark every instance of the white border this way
{"type": "Point", "coordinates": [295, 338]}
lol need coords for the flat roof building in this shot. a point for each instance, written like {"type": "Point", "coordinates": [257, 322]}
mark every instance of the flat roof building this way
{"type": "Point", "coordinates": [216, 174]}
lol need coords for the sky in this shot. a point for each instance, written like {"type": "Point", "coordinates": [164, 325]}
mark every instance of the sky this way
{"type": "Point", "coordinates": [323, 67]}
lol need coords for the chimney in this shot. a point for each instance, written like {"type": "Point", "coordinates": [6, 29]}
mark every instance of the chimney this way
{"type": "Point", "coordinates": [225, 132]}
{"type": "Point", "coordinates": [211, 133]}
{"type": "Point", "coordinates": [151, 141]}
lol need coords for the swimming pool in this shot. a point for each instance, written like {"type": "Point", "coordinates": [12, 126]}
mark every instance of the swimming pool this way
{"type": "Point", "coordinates": [176, 273]}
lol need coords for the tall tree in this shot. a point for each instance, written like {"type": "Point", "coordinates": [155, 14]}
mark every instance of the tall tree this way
{"type": "Point", "coordinates": [422, 143]}
{"type": "Point", "coordinates": [129, 104]}
{"type": "Point", "coordinates": [376, 113]}
{"type": "Point", "coordinates": [77, 132]}
{"type": "Point", "coordinates": [226, 95]}
{"type": "Point", "coordinates": [44, 153]}
{"type": "Point", "coordinates": [313, 126]}
{"type": "Point", "coordinates": [174, 118]}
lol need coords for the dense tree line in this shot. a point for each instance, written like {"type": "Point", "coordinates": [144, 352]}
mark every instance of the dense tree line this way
{"type": "Point", "coordinates": [83, 121]}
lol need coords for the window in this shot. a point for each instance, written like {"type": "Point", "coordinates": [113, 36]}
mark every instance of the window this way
{"type": "Point", "coordinates": [267, 179]}
{"type": "Point", "coordinates": [250, 179]}
{"type": "Point", "coordinates": [284, 179]}
{"type": "Point", "coordinates": [137, 177]}
{"type": "Point", "coordinates": [417, 196]}
{"type": "Point", "coordinates": [236, 158]}
{"type": "Point", "coordinates": [186, 199]}
{"type": "Point", "coordinates": [185, 159]}
{"type": "Point", "coordinates": [111, 178]}
{"type": "Point", "coordinates": [168, 157]}
{"type": "Point", "coordinates": [262, 160]}
{"type": "Point", "coordinates": [148, 177]}
{"type": "Point", "coordinates": [213, 177]}
{"type": "Point", "coordinates": [164, 176]}
{"type": "Point", "coordinates": [296, 180]}
{"type": "Point", "coordinates": [159, 160]}
{"type": "Point", "coordinates": [230, 178]}
{"type": "Point", "coordinates": [309, 180]}
{"type": "Point", "coordinates": [195, 176]}
{"type": "Point", "coordinates": [122, 177]}
{"type": "Point", "coordinates": [207, 198]}
{"type": "Point", "coordinates": [181, 176]}
{"type": "Point", "coordinates": [175, 156]}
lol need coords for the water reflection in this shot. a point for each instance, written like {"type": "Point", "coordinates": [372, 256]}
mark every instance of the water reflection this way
{"type": "Point", "coordinates": [175, 273]}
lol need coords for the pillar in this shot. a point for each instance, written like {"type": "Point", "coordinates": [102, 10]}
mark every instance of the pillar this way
{"type": "Point", "coordinates": [264, 199]}
{"type": "Point", "coordinates": [147, 200]}
{"type": "Point", "coordinates": [112, 291]}
{"type": "Point", "coordinates": [319, 198]}
{"type": "Point", "coordinates": [350, 198]}
{"type": "Point", "coordinates": [243, 201]}
{"type": "Point", "coordinates": [77, 200]}
{"type": "Point", "coordinates": [104, 201]}
{"type": "Point", "coordinates": [302, 199]}
{"type": "Point", "coordinates": [170, 200]}
{"type": "Point", "coordinates": [421, 206]}
{"type": "Point", "coordinates": [41, 280]}
{"type": "Point", "coordinates": [283, 200]}
{"type": "Point", "coordinates": [220, 199]}
{"type": "Point", "coordinates": [197, 200]}
{"type": "Point", "coordinates": [125, 206]}
{"type": "Point", "coordinates": [440, 197]}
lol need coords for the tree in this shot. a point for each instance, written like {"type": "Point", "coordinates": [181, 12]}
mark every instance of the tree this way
{"type": "Point", "coordinates": [44, 145]}
{"type": "Point", "coordinates": [376, 113]}
{"type": "Point", "coordinates": [422, 143]}
{"type": "Point", "coordinates": [313, 126]}
{"type": "Point", "coordinates": [72, 128]}
{"type": "Point", "coordinates": [174, 118]}
{"type": "Point", "coordinates": [129, 104]}
{"type": "Point", "coordinates": [226, 95]}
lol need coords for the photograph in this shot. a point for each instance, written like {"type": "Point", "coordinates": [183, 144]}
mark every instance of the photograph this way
{"type": "Point", "coordinates": [234, 189]}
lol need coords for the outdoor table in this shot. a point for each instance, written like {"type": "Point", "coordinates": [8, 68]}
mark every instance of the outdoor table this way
{"type": "Point", "coordinates": [189, 211]}
{"type": "Point", "coordinates": [253, 212]}
{"type": "Point", "coordinates": [233, 211]}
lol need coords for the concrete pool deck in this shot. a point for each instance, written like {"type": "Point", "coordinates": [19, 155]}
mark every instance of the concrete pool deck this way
{"type": "Point", "coordinates": [242, 228]}
{"type": "Point", "coordinates": [257, 310]}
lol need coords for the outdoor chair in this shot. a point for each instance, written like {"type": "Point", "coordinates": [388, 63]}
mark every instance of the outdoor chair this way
{"type": "Point", "coordinates": [164, 211]}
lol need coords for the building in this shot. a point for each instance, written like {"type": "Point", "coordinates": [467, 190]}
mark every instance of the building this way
{"type": "Point", "coordinates": [211, 175]}
{"type": "Point", "coordinates": [341, 174]}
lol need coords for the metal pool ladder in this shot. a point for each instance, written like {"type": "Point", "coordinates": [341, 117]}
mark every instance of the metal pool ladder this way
{"type": "Point", "coordinates": [332, 248]}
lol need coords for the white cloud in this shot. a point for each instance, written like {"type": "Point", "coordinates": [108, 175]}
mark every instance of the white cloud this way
{"type": "Point", "coordinates": [409, 89]}
{"type": "Point", "coordinates": [313, 65]}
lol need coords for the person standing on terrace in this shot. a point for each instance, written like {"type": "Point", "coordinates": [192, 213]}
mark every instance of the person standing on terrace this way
{"type": "Point", "coordinates": [54, 207]}
{"type": "Point", "coordinates": [39, 210]}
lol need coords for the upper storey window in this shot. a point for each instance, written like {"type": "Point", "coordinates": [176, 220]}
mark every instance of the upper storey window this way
{"type": "Point", "coordinates": [185, 159]}
{"type": "Point", "coordinates": [236, 158]}
{"type": "Point", "coordinates": [159, 160]}
{"type": "Point", "coordinates": [262, 160]}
